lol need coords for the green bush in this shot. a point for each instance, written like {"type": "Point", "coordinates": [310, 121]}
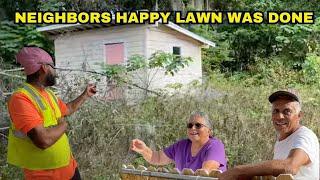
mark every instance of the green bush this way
{"type": "Point", "coordinates": [13, 37]}
{"type": "Point", "coordinates": [311, 69]}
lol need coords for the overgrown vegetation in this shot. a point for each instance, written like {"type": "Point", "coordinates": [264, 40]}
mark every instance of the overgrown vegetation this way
{"type": "Point", "coordinates": [100, 132]}
{"type": "Point", "coordinates": [249, 62]}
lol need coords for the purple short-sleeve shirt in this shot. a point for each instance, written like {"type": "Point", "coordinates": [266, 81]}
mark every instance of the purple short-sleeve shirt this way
{"type": "Point", "coordinates": [180, 153]}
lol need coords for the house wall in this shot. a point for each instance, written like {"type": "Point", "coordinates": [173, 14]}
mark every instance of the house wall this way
{"type": "Point", "coordinates": [86, 48]}
{"type": "Point", "coordinates": [83, 50]}
{"type": "Point", "coordinates": [177, 5]}
{"type": "Point", "coordinates": [164, 39]}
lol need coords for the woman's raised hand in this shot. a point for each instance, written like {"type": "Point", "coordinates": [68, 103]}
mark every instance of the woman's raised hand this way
{"type": "Point", "coordinates": [138, 146]}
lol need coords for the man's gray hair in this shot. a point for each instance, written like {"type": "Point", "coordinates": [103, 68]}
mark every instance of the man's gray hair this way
{"type": "Point", "coordinates": [297, 106]}
{"type": "Point", "coordinates": [203, 115]}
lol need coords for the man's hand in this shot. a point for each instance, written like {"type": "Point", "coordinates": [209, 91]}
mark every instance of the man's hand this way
{"type": "Point", "coordinates": [62, 121]}
{"type": "Point", "coordinates": [90, 90]}
{"type": "Point", "coordinates": [228, 175]}
{"type": "Point", "coordinates": [74, 105]}
{"type": "Point", "coordinates": [45, 137]}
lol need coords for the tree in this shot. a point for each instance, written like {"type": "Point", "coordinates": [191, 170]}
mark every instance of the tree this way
{"type": "Point", "coordinates": [13, 37]}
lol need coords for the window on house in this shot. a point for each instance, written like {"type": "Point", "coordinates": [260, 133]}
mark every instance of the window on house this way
{"type": "Point", "coordinates": [114, 53]}
{"type": "Point", "coordinates": [176, 51]}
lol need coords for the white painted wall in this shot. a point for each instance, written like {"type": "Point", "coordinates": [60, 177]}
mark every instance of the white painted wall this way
{"type": "Point", "coordinates": [164, 39]}
{"type": "Point", "coordinates": [72, 49]}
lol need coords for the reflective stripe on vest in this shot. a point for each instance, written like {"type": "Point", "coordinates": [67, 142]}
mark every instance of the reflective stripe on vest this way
{"type": "Point", "coordinates": [37, 98]}
{"type": "Point", "coordinates": [53, 95]}
{"type": "Point", "coordinates": [20, 134]}
{"type": "Point", "coordinates": [21, 150]}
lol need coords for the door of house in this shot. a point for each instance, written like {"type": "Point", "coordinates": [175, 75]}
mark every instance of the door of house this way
{"type": "Point", "coordinates": [114, 53]}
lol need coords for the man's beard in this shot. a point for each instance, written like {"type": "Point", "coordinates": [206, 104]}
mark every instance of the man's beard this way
{"type": "Point", "coordinates": [50, 80]}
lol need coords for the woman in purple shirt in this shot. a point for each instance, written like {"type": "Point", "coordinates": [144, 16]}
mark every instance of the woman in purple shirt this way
{"type": "Point", "coordinates": [200, 151]}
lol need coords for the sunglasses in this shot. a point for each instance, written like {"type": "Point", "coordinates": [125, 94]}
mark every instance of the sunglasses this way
{"type": "Point", "coordinates": [197, 125]}
{"type": "Point", "coordinates": [51, 65]}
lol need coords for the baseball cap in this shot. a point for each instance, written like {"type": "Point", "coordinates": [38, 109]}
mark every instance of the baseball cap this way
{"type": "Point", "coordinates": [31, 59]}
{"type": "Point", "coordinates": [290, 93]}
